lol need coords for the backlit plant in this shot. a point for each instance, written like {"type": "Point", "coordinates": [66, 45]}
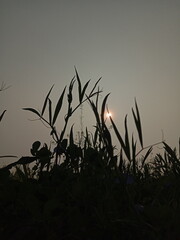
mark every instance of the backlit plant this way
{"type": "Point", "coordinates": [90, 190]}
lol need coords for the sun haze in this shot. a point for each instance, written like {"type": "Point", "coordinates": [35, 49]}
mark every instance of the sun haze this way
{"type": "Point", "coordinates": [108, 114]}
{"type": "Point", "coordinates": [133, 45]}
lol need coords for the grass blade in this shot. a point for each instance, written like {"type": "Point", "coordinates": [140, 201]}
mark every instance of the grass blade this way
{"type": "Point", "coordinates": [84, 90]}
{"type": "Point", "coordinates": [95, 137]}
{"type": "Point", "coordinates": [134, 155]}
{"type": "Point", "coordinates": [146, 156]}
{"type": "Point", "coordinates": [45, 102]}
{"type": "Point", "coordinates": [103, 108]}
{"type": "Point", "coordinates": [170, 151]}
{"type": "Point", "coordinates": [138, 123]}
{"type": "Point", "coordinates": [33, 110]}
{"type": "Point", "coordinates": [71, 137]}
{"type": "Point", "coordinates": [95, 113]}
{"type": "Point", "coordinates": [70, 98]}
{"type": "Point", "coordinates": [58, 107]}
{"type": "Point", "coordinates": [8, 156]}
{"type": "Point", "coordinates": [133, 148]}
{"type": "Point", "coordinates": [50, 111]}
{"type": "Point", "coordinates": [79, 85]}
{"type": "Point", "coordinates": [118, 135]}
{"type": "Point", "coordinates": [95, 86]}
{"type": "Point", "coordinates": [127, 148]}
{"type": "Point", "coordinates": [2, 115]}
{"type": "Point", "coordinates": [97, 98]}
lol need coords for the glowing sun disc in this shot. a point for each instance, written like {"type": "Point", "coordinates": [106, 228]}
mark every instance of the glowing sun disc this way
{"type": "Point", "coordinates": [109, 114]}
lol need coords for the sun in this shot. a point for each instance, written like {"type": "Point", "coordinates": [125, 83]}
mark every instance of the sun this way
{"type": "Point", "coordinates": [108, 114]}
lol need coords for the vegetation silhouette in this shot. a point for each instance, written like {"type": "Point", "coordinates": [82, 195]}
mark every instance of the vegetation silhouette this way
{"type": "Point", "coordinates": [90, 191]}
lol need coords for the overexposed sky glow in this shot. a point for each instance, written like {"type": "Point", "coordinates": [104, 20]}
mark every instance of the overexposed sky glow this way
{"type": "Point", "coordinates": [134, 45]}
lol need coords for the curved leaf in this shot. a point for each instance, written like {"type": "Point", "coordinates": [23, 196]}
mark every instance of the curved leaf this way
{"type": "Point", "coordinates": [127, 148]}
{"type": "Point", "coordinates": [84, 90]}
{"type": "Point", "coordinates": [103, 108]}
{"type": "Point", "coordinates": [118, 135]}
{"type": "Point", "coordinates": [146, 156]}
{"type": "Point", "coordinates": [2, 115]}
{"type": "Point", "coordinates": [137, 120]}
{"type": "Point", "coordinates": [50, 111]}
{"type": "Point", "coordinates": [45, 102]}
{"type": "Point", "coordinates": [33, 110]}
{"type": "Point", "coordinates": [95, 86]}
{"type": "Point", "coordinates": [58, 107]}
{"type": "Point", "coordinates": [79, 84]}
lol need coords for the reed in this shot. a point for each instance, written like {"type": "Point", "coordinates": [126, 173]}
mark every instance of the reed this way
{"type": "Point", "coordinates": [89, 190]}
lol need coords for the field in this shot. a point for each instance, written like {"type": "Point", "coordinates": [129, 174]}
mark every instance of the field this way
{"type": "Point", "coordinates": [87, 190]}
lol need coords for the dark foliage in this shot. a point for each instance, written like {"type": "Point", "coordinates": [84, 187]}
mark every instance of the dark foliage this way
{"type": "Point", "coordinates": [86, 190]}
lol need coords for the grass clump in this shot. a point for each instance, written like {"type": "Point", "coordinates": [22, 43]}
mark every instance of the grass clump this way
{"type": "Point", "coordinates": [88, 190]}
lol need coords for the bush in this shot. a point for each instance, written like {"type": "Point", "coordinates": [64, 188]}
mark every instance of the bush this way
{"type": "Point", "coordinates": [85, 190]}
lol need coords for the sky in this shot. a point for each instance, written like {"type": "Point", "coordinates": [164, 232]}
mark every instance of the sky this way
{"type": "Point", "coordinates": [134, 45]}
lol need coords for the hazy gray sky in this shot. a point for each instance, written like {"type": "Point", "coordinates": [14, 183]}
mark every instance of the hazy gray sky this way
{"type": "Point", "coordinates": [133, 44]}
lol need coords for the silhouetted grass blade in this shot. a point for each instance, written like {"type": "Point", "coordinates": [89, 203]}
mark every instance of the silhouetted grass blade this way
{"type": "Point", "coordinates": [50, 111]}
{"type": "Point", "coordinates": [147, 155]}
{"type": "Point", "coordinates": [133, 148]}
{"type": "Point", "coordinates": [8, 156]}
{"type": "Point", "coordinates": [58, 107]}
{"type": "Point", "coordinates": [94, 86]}
{"type": "Point", "coordinates": [33, 110]}
{"type": "Point", "coordinates": [97, 98]}
{"type": "Point", "coordinates": [2, 115]}
{"type": "Point", "coordinates": [134, 155]}
{"type": "Point", "coordinates": [84, 90]}
{"type": "Point", "coordinates": [79, 84]}
{"type": "Point", "coordinates": [95, 137]}
{"type": "Point", "coordinates": [138, 123]}
{"type": "Point", "coordinates": [45, 102]}
{"type": "Point", "coordinates": [118, 135]}
{"type": "Point", "coordinates": [170, 151]}
{"type": "Point", "coordinates": [71, 136]}
{"type": "Point", "coordinates": [127, 145]}
{"type": "Point", "coordinates": [103, 108]}
{"type": "Point", "coordinates": [95, 113]}
{"type": "Point", "coordinates": [70, 97]}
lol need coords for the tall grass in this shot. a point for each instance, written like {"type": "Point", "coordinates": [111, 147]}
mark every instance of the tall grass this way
{"type": "Point", "coordinates": [3, 88]}
{"type": "Point", "coordinates": [89, 190]}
